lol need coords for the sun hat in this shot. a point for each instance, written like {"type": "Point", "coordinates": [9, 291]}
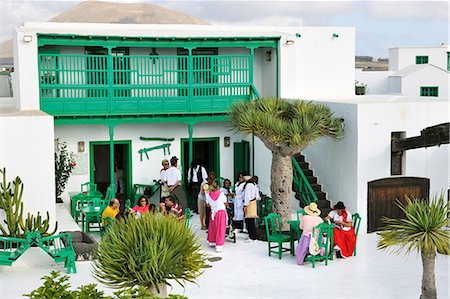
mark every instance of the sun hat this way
{"type": "Point", "coordinates": [339, 205]}
{"type": "Point", "coordinates": [205, 187]}
{"type": "Point", "coordinates": [312, 209]}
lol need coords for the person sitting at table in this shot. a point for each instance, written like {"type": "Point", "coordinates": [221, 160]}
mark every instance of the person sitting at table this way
{"type": "Point", "coordinates": [142, 206]}
{"type": "Point", "coordinates": [170, 207]}
{"type": "Point", "coordinates": [344, 234]}
{"type": "Point", "coordinates": [307, 224]}
{"type": "Point", "coordinates": [112, 210]}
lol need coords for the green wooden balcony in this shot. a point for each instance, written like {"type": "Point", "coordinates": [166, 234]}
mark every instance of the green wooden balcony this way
{"type": "Point", "coordinates": [112, 85]}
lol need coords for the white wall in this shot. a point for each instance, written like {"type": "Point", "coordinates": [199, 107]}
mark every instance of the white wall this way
{"type": "Point", "coordinates": [148, 169]}
{"type": "Point", "coordinates": [377, 81]}
{"type": "Point", "coordinates": [321, 66]}
{"type": "Point", "coordinates": [404, 56]}
{"type": "Point", "coordinates": [334, 162]}
{"type": "Point", "coordinates": [27, 151]}
{"type": "Point", "coordinates": [376, 121]}
{"type": "Point", "coordinates": [429, 76]}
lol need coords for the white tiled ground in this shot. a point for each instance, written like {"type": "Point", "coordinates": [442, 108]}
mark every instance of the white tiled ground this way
{"type": "Point", "coordinates": [246, 271]}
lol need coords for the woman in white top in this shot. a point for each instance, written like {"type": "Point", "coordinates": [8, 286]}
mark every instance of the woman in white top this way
{"type": "Point", "coordinates": [218, 217]}
{"type": "Point", "coordinates": [251, 193]}
{"type": "Point", "coordinates": [238, 218]}
{"type": "Point", "coordinates": [344, 234]}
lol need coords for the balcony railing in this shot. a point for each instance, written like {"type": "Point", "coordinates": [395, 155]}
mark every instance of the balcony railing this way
{"type": "Point", "coordinates": [74, 84]}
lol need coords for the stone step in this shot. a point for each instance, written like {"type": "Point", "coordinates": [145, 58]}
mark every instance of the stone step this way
{"type": "Point", "coordinates": [316, 187]}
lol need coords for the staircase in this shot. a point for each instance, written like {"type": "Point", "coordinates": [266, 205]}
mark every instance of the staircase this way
{"type": "Point", "coordinates": [306, 187]}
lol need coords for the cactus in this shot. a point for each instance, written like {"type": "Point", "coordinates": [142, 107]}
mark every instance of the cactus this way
{"type": "Point", "coordinates": [11, 203]}
{"type": "Point", "coordinates": [33, 223]}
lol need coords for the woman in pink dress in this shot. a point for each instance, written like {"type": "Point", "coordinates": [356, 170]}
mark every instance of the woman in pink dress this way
{"type": "Point", "coordinates": [218, 218]}
{"type": "Point", "coordinates": [307, 224]}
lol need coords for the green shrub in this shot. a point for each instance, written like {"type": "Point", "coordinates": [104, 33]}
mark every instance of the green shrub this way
{"type": "Point", "coordinates": [148, 252]}
{"type": "Point", "coordinates": [55, 286]}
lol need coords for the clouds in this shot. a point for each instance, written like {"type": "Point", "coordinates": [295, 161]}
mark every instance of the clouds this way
{"type": "Point", "coordinates": [379, 24]}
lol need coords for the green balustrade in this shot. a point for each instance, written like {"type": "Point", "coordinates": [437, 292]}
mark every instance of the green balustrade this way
{"type": "Point", "coordinates": [302, 184]}
{"type": "Point", "coordinates": [81, 85]}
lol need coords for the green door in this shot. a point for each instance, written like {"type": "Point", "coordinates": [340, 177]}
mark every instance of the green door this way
{"type": "Point", "coordinates": [241, 158]}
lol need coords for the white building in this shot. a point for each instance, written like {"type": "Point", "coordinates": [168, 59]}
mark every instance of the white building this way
{"type": "Point", "coordinates": [413, 72]}
{"type": "Point", "coordinates": [101, 87]}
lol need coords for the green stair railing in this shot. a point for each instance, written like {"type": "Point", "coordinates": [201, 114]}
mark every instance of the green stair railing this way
{"type": "Point", "coordinates": [302, 184]}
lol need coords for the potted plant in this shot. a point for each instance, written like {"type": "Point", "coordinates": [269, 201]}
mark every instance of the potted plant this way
{"type": "Point", "coordinates": [64, 164]}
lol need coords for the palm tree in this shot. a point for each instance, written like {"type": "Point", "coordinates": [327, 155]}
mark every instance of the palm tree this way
{"type": "Point", "coordinates": [422, 230]}
{"type": "Point", "coordinates": [285, 127]}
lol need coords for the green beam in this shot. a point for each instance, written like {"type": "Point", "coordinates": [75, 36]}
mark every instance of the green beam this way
{"type": "Point", "coordinates": [191, 143]}
{"type": "Point", "coordinates": [111, 121]}
{"type": "Point", "coordinates": [111, 160]}
{"type": "Point", "coordinates": [183, 42]}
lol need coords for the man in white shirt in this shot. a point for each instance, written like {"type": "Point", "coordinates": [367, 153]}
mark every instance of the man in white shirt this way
{"type": "Point", "coordinates": [172, 177]}
{"type": "Point", "coordinates": [164, 190]}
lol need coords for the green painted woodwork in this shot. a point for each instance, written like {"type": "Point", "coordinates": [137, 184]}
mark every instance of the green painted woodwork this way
{"type": "Point", "coordinates": [241, 158]}
{"type": "Point", "coordinates": [165, 146]}
{"type": "Point", "coordinates": [156, 139]}
{"type": "Point", "coordinates": [421, 59]}
{"type": "Point", "coordinates": [127, 171]}
{"type": "Point", "coordinates": [156, 42]}
{"type": "Point", "coordinates": [302, 184]}
{"type": "Point", "coordinates": [191, 143]}
{"type": "Point", "coordinates": [448, 61]}
{"type": "Point", "coordinates": [120, 120]}
{"type": "Point", "coordinates": [111, 160]}
{"type": "Point", "coordinates": [429, 91]}
{"type": "Point", "coordinates": [83, 84]}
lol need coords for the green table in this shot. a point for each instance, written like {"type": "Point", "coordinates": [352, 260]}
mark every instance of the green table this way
{"type": "Point", "coordinates": [74, 202]}
{"type": "Point", "coordinates": [294, 227]}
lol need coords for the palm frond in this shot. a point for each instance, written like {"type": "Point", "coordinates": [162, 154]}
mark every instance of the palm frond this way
{"type": "Point", "coordinates": [422, 229]}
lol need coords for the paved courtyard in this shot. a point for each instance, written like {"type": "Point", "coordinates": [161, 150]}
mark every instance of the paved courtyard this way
{"type": "Point", "coordinates": [246, 271]}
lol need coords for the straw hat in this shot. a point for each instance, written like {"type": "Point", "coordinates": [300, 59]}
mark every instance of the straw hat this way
{"type": "Point", "coordinates": [312, 209]}
{"type": "Point", "coordinates": [247, 177]}
{"type": "Point", "coordinates": [205, 187]}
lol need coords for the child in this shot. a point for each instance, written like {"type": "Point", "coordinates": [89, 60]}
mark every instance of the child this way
{"type": "Point", "coordinates": [226, 190]}
{"type": "Point", "coordinates": [218, 219]}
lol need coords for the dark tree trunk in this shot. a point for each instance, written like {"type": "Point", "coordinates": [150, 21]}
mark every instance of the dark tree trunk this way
{"type": "Point", "coordinates": [428, 277]}
{"type": "Point", "coordinates": [281, 186]}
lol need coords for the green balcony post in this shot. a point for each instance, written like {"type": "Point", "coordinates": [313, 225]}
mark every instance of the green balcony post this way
{"type": "Point", "coordinates": [190, 79]}
{"type": "Point", "coordinates": [110, 80]}
{"type": "Point", "coordinates": [191, 142]}
{"type": "Point", "coordinates": [111, 160]}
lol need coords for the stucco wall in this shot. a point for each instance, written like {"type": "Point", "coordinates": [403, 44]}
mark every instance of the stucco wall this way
{"type": "Point", "coordinates": [402, 57]}
{"type": "Point", "coordinates": [27, 151]}
{"type": "Point", "coordinates": [377, 81]}
{"type": "Point", "coordinates": [429, 76]}
{"type": "Point", "coordinates": [334, 162]}
{"type": "Point", "coordinates": [376, 121]}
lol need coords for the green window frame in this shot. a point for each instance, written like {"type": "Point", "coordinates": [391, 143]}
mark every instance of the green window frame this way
{"type": "Point", "coordinates": [448, 61]}
{"type": "Point", "coordinates": [429, 91]}
{"type": "Point", "coordinates": [421, 59]}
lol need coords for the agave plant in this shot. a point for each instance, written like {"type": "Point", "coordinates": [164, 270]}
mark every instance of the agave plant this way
{"type": "Point", "coordinates": [148, 252]}
{"type": "Point", "coordinates": [423, 230]}
{"type": "Point", "coordinates": [285, 127]}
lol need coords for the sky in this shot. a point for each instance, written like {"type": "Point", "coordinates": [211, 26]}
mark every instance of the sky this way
{"type": "Point", "coordinates": [380, 25]}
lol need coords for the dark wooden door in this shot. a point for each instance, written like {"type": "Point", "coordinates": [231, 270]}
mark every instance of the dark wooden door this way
{"type": "Point", "coordinates": [383, 193]}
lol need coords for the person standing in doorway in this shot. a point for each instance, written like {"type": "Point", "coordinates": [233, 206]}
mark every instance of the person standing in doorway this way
{"type": "Point", "coordinates": [172, 177]}
{"type": "Point", "coordinates": [196, 176]}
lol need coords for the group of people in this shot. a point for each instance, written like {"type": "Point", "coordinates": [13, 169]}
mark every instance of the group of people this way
{"type": "Point", "coordinates": [344, 234]}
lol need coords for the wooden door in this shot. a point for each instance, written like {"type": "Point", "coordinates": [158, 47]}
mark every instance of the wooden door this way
{"type": "Point", "coordinates": [382, 195]}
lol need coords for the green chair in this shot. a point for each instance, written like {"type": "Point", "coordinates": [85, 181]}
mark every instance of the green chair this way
{"type": "Point", "coordinates": [323, 233]}
{"type": "Point", "coordinates": [88, 187]}
{"type": "Point", "coordinates": [356, 221]}
{"type": "Point", "coordinates": [79, 201]}
{"type": "Point", "coordinates": [109, 194]}
{"type": "Point", "coordinates": [95, 202]}
{"type": "Point", "coordinates": [107, 222]}
{"type": "Point", "coordinates": [264, 208]}
{"type": "Point", "coordinates": [60, 248]}
{"type": "Point", "coordinates": [275, 235]}
{"type": "Point", "coordinates": [187, 217]}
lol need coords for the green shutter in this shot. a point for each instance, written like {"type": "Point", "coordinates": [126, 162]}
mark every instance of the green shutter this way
{"type": "Point", "coordinates": [241, 158]}
{"type": "Point", "coordinates": [421, 59]}
{"type": "Point", "coordinates": [429, 91]}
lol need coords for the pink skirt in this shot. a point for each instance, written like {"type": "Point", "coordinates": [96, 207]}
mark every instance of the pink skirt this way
{"type": "Point", "coordinates": [217, 228]}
